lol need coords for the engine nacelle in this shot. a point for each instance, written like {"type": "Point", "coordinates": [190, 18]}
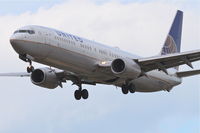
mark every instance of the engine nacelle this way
{"type": "Point", "coordinates": [126, 68]}
{"type": "Point", "coordinates": [44, 77]}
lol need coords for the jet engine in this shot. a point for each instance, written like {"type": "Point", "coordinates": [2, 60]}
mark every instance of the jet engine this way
{"type": "Point", "coordinates": [126, 68]}
{"type": "Point", "coordinates": [44, 77]}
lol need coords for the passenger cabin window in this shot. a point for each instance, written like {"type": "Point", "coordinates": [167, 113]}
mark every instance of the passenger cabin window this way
{"type": "Point", "coordinates": [25, 31]}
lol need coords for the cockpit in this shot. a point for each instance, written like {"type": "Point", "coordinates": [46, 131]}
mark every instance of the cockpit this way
{"type": "Point", "coordinates": [25, 31]}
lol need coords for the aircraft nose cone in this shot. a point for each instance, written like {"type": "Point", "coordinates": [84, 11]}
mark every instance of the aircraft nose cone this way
{"type": "Point", "coordinates": [16, 44]}
{"type": "Point", "coordinates": [12, 39]}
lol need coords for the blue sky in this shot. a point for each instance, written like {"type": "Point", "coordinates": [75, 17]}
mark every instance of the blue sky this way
{"type": "Point", "coordinates": [28, 108]}
{"type": "Point", "coordinates": [20, 6]}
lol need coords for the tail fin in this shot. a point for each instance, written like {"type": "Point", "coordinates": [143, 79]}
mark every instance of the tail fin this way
{"type": "Point", "coordinates": [173, 40]}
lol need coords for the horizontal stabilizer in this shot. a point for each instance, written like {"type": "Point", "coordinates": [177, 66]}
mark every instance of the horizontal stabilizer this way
{"type": "Point", "coordinates": [188, 73]}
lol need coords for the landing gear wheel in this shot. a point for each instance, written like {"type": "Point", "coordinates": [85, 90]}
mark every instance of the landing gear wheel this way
{"type": "Point", "coordinates": [124, 89]}
{"type": "Point", "coordinates": [30, 69]}
{"type": "Point", "coordinates": [80, 93]}
{"type": "Point", "coordinates": [84, 94]}
{"type": "Point", "coordinates": [131, 88]}
{"type": "Point", "coordinates": [77, 94]}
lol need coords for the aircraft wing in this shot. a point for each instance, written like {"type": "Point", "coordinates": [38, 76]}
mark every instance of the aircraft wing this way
{"type": "Point", "coordinates": [167, 61]}
{"type": "Point", "coordinates": [22, 74]}
{"type": "Point", "coordinates": [61, 75]}
{"type": "Point", "coordinates": [188, 73]}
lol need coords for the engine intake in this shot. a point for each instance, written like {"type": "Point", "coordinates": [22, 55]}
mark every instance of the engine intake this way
{"type": "Point", "coordinates": [44, 77]}
{"type": "Point", "coordinates": [37, 76]}
{"type": "Point", "coordinates": [118, 65]}
{"type": "Point", "coordinates": [126, 68]}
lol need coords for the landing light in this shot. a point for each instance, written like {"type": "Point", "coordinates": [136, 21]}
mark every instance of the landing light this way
{"type": "Point", "coordinates": [103, 62]}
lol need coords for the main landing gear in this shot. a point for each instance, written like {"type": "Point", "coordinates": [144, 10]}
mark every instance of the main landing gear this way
{"type": "Point", "coordinates": [30, 68]}
{"type": "Point", "coordinates": [126, 88]}
{"type": "Point", "coordinates": [81, 93]}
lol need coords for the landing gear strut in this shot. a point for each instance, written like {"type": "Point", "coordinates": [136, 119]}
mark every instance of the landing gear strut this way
{"type": "Point", "coordinates": [126, 88]}
{"type": "Point", "coordinates": [30, 68]}
{"type": "Point", "coordinates": [81, 93]}
{"type": "Point", "coordinates": [25, 58]}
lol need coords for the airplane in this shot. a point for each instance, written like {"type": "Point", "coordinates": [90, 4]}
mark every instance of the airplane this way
{"type": "Point", "coordinates": [82, 61]}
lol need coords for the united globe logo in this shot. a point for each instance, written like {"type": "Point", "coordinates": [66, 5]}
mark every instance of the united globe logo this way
{"type": "Point", "coordinates": [170, 46]}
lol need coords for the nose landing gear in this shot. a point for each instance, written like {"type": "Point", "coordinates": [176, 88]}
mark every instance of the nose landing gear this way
{"type": "Point", "coordinates": [26, 58]}
{"type": "Point", "coordinates": [30, 68]}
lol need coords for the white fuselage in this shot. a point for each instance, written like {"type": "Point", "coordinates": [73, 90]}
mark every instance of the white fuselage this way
{"type": "Point", "coordinates": [81, 56]}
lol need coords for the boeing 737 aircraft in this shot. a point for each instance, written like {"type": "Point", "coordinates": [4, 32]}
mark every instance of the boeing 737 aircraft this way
{"type": "Point", "coordinates": [82, 61]}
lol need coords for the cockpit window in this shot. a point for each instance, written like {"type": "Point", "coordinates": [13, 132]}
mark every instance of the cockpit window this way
{"type": "Point", "coordinates": [25, 31]}
{"type": "Point", "coordinates": [31, 32]}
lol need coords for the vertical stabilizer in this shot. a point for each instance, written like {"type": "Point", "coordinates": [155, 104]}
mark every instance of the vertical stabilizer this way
{"type": "Point", "coordinates": [173, 40]}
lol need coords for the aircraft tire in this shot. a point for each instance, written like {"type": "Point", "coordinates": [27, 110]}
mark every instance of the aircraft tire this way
{"type": "Point", "coordinates": [84, 94]}
{"type": "Point", "coordinates": [30, 69]}
{"type": "Point", "coordinates": [131, 88]}
{"type": "Point", "coordinates": [77, 94]}
{"type": "Point", "coordinates": [124, 89]}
